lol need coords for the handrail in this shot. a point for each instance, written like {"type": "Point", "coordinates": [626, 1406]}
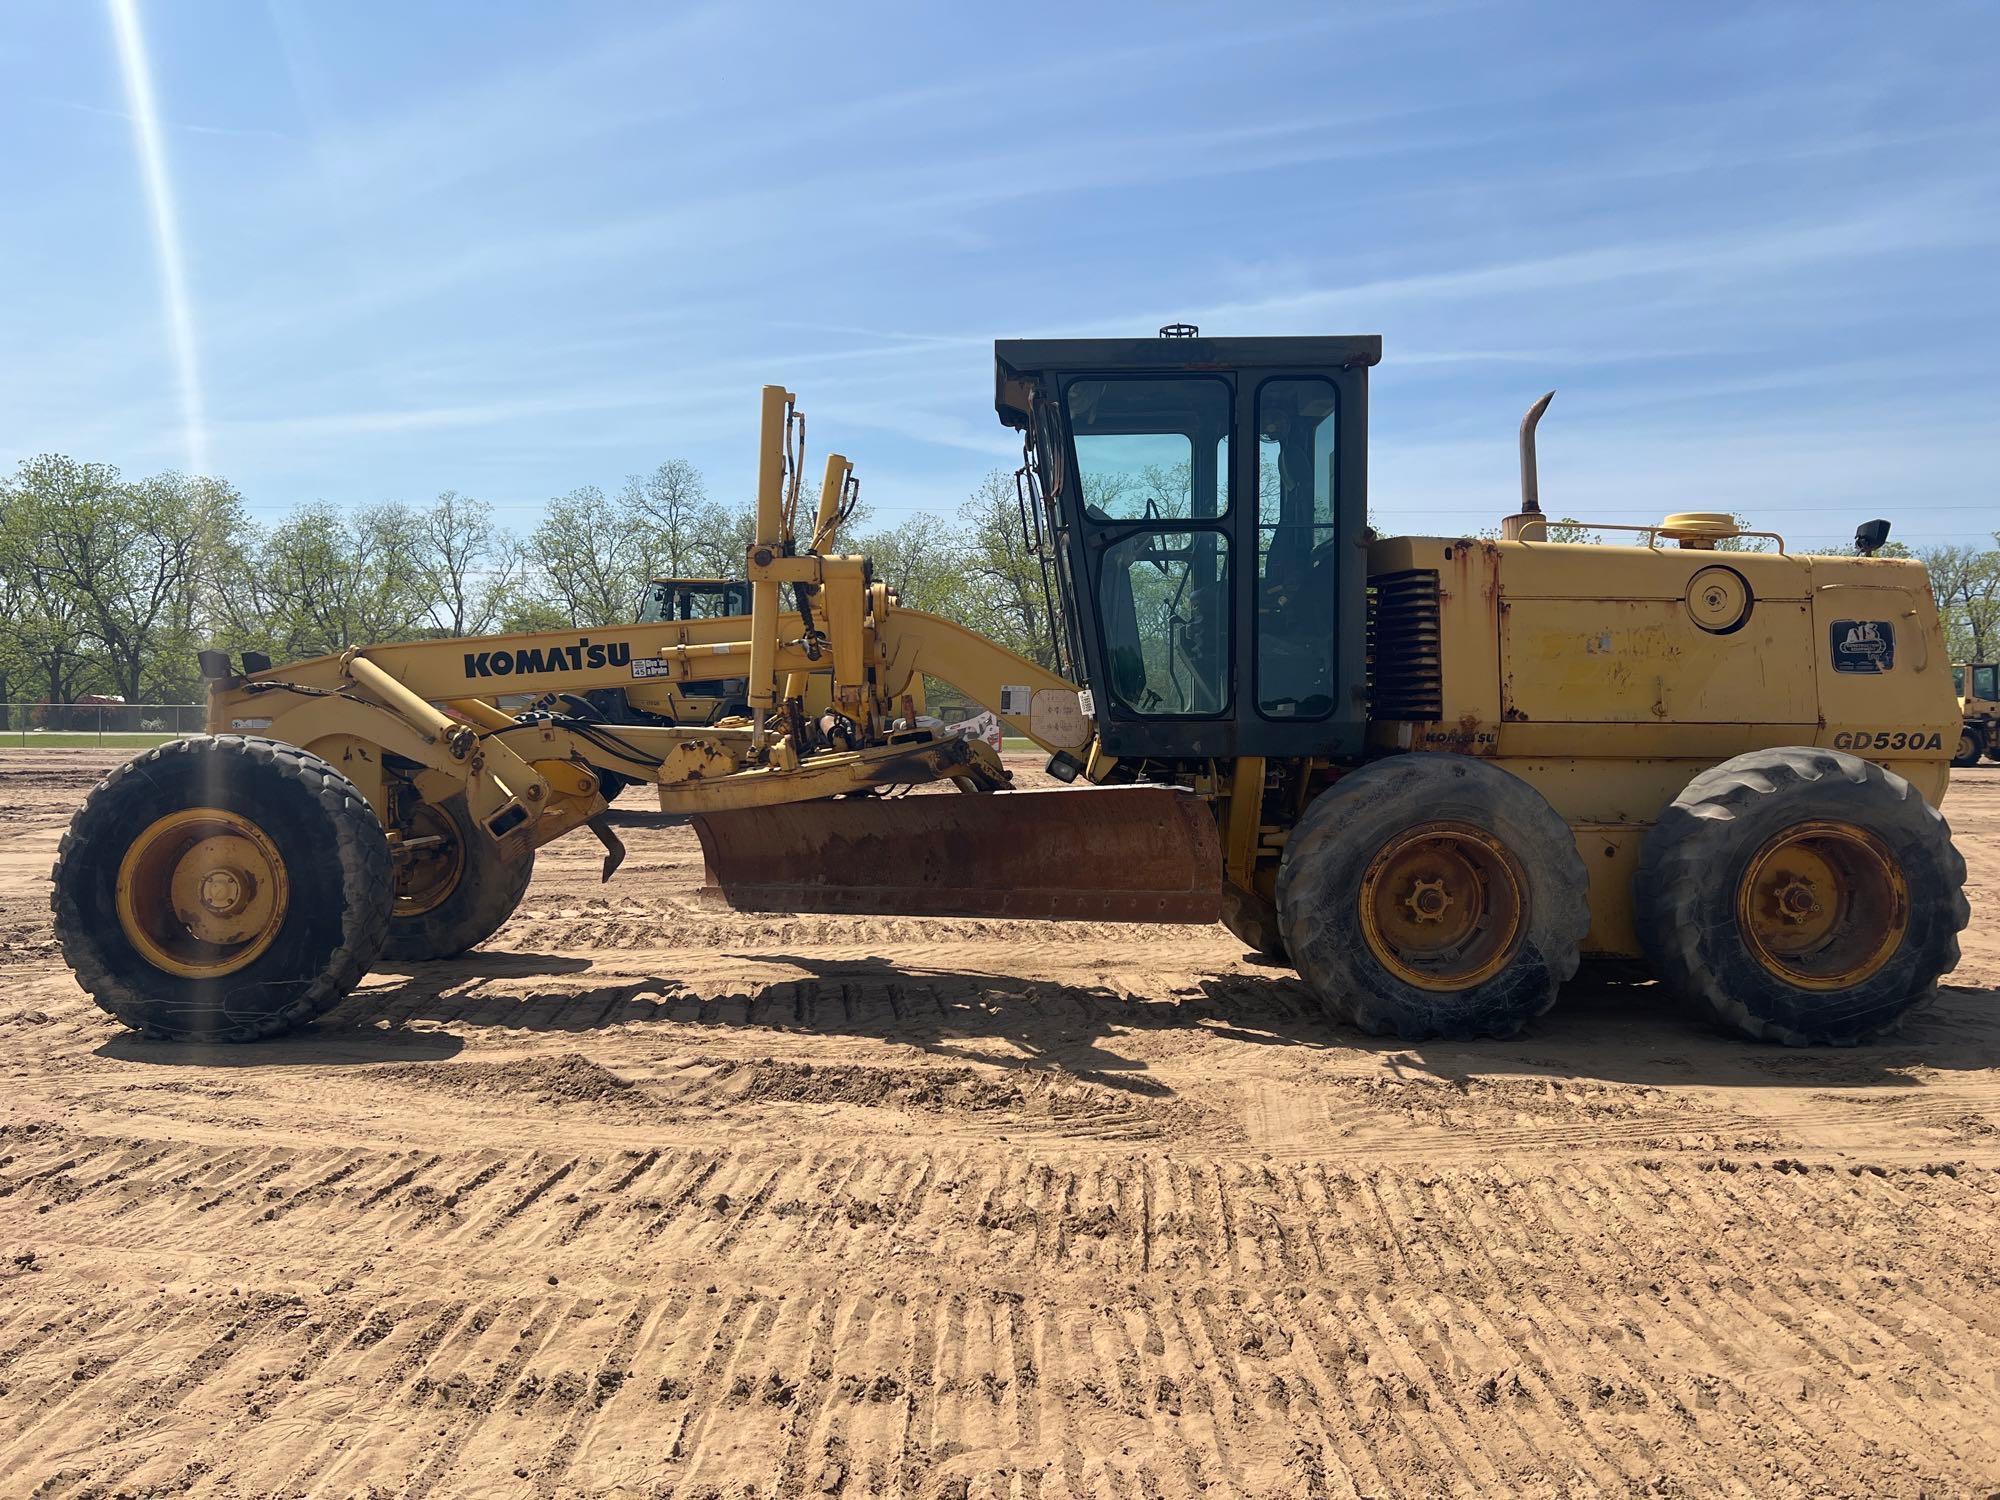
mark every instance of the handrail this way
{"type": "Point", "coordinates": [1653, 533]}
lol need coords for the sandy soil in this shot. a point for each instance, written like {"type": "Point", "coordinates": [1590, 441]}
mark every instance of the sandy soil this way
{"type": "Point", "coordinates": [656, 1199]}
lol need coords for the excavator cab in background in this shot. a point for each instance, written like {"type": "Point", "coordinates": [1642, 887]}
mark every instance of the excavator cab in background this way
{"type": "Point", "coordinates": [1201, 509]}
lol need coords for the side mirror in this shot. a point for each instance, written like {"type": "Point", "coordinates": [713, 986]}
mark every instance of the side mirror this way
{"type": "Point", "coordinates": [1870, 537]}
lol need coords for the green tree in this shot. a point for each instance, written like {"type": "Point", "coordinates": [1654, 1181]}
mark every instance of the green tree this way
{"type": "Point", "coordinates": [682, 524]}
{"type": "Point", "coordinates": [47, 645]}
{"type": "Point", "coordinates": [1965, 581]}
{"type": "Point", "coordinates": [592, 564]}
{"type": "Point", "coordinates": [322, 581]}
{"type": "Point", "coordinates": [121, 563]}
{"type": "Point", "coordinates": [1006, 593]}
{"type": "Point", "coordinates": [724, 542]}
{"type": "Point", "coordinates": [924, 561]}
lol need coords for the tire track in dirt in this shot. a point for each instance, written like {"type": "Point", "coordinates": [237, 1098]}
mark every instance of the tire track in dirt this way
{"type": "Point", "coordinates": [657, 1197]}
{"type": "Point", "coordinates": [1478, 1328]}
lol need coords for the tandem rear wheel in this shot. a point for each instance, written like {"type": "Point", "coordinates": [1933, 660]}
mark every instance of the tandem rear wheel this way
{"type": "Point", "coordinates": [1801, 895]}
{"type": "Point", "coordinates": [1433, 895]}
{"type": "Point", "coordinates": [222, 888]}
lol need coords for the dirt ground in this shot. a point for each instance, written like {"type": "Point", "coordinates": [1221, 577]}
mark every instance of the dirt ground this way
{"type": "Point", "coordinates": [650, 1198]}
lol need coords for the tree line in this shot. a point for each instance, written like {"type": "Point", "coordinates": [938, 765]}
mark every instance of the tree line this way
{"type": "Point", "coordinates": [109, 585]}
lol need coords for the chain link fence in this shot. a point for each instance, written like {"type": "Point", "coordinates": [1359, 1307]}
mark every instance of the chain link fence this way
{"type": "Point", "coordinates": [61, 725]}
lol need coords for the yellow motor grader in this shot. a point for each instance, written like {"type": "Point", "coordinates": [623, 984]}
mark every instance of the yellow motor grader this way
{"type": "Point", "coordinates": [1977, 684]}
{"type": "Point", "coordinates": [1430, 773]}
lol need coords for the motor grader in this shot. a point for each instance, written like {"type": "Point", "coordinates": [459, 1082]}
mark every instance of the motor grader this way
{"type": "Point", "coordinates": [1432, 774]}
{"type": "Point", "coordinates": [1977, 684]}
{"type": "Point", "coordinates": [683, 702]}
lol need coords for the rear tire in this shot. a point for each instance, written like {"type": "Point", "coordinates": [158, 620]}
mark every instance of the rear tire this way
{"type": "Point", "coordinates": [1433, 895]}
{"type": "Point", "coordinates": [1971, 745]}
{"type": "Point", "coordinates": [180, 849]}
{"type": "Point", "coordinates": [475, 903]}
{"type": "Point", "coordinates": [1802, 896]}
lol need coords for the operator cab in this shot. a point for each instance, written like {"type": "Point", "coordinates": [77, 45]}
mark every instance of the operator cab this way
{"type": "Point", "coordinates": [693, 599]}
{"type": "Point", "coordinates": [1199, 506]}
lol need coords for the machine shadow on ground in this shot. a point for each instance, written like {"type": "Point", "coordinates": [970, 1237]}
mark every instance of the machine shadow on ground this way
{"type": "Point", "coordinates": [1601, 1029]}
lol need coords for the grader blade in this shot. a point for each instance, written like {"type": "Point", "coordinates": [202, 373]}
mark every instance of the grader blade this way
{"type": "Point", "coordinates": [1115, 854]}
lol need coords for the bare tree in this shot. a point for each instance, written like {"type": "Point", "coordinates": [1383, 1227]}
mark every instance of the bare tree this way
{"type": "Point", "coordinates": [469, 567]}
{"type": "Point", "coordinates": [672, 504]}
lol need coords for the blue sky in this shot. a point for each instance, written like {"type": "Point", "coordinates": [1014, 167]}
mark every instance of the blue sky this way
{"type": "Point", "coordinates": [510, 249]}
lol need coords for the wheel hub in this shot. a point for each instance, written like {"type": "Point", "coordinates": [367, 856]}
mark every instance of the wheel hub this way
{"type": "Point", "coordinates": [202, 892]}
{"type": "Point", "coordinates": [1823, 905]}
{"type": "Point", "coordinates": [430, 860]}
{"type": "Point", "coordinates": [1795, 901]}
{"type": "Point", "coordinates": [1428, 900]}
{"type": "Point", "coordinates": [1443, 905]}
{"type": "Point", "coordinates": [221, 891]}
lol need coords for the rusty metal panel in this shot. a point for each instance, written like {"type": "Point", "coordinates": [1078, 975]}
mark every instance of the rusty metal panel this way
{"type": "Point", "coordinates": [1106, 854]}
{"type": "Point", "coordinates": [1623, 661]}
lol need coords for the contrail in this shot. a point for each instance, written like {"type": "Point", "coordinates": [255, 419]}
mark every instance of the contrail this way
{"type": "Point", "coordinates": [145, 112]}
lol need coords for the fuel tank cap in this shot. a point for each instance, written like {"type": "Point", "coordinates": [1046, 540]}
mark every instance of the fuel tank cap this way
{"type": "Point", "coordinates": [1718, 599]}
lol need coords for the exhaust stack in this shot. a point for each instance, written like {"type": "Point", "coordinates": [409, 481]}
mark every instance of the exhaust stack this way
{"type": "Point", "coordinates": [1529, 525]}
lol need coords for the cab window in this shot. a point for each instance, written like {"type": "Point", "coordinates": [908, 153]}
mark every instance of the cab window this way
{"type": "Point", "coordinates": [1166, 621]}
{"type": "Point", "coordinates": [1151, 448]}
{"type": "Point", "coordinates": [1152, 471]}
{"type": "Point", "coordinates": [1297, 547]}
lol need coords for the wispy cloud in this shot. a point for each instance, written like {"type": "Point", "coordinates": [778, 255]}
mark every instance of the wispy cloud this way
{"type": "Point", "coordinates": [190, 127]}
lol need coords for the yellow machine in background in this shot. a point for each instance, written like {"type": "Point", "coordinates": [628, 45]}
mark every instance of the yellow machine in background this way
{"type": "Point", "coordinates": [669, 599]}
{"type": "Point", "coordinates": [1978, 688]}
{"type": "Point", "coordinates": [1430, 773]}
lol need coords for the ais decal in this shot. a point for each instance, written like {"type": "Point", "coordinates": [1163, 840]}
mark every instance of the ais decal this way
{"type": "Point", "coordinates": [1863, 645]}
{"type": "Point", "coordinates": [532, 659]}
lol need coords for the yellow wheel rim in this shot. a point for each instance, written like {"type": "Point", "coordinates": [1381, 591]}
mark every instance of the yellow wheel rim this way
{"type": "Point", "coordinates": [202, 892]}
{"type": "Point", "coordinates": [1823, 905]}
{"type": "Point", "coordinates": [431, 860]}
{"type": "Point", "coordinates": [1967, 749]}
{"type": "Point", "coordinates": [1443, 906]}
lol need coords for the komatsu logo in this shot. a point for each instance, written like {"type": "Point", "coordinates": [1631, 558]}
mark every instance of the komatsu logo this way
{"type": "Point", "coordinates": [531, 659]}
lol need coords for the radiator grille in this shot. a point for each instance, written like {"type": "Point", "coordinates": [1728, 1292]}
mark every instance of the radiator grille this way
{"type": "Point", "coordinates": [1405, 670]}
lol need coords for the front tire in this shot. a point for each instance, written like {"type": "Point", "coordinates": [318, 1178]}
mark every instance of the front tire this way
{"type": "Point", "coordinates": [222, 888]}
{"type": "Point", "coordinates": [1433, 895]}
{"type": "Point", "coordinates": [455, 894]}
{"type": "Point", "coordinates": [1801, 895]}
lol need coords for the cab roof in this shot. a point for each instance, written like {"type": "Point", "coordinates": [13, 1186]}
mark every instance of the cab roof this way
{"type": "Point", "coordinates": [1017, 361]}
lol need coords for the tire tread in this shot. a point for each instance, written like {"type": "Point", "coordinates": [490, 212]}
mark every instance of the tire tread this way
{"type": "Point", "coordinates": [365, 878]}
{"type": "Point", "coordinates": [1677, 869]}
